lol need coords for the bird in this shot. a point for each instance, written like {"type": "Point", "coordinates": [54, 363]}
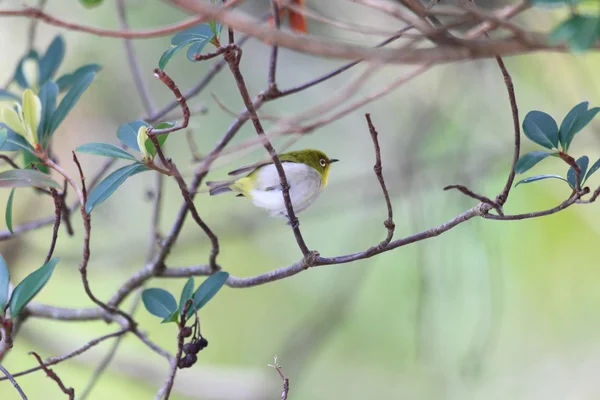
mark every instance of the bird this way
{"type": "Point", "coordinates": [307, 173]}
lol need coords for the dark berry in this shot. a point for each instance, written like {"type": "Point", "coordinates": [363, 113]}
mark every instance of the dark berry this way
{"type": "Point", "coordinates": [182, 363]}
{"type": "Point", "coordinates": [188, 348]}
{"type": "Point", "coordinates": [190, 359]}
{"type": "Point", "coordinates": [202, 343]}
{"type": "Point", "coordinates": [186, 331]}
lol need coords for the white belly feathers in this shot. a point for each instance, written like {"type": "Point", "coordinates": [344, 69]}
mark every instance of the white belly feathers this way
{"type": "Point", "coordinates": [305, 187]}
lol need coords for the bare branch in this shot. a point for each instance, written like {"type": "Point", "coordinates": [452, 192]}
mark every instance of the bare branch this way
{"type": "Point", "coordinates": [12, 380]}
{"type": "Point", "coordinates": [52, 375]}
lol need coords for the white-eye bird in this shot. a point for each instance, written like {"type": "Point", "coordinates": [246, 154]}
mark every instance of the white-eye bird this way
{"type": "Point", "coordinates": [307, 172]}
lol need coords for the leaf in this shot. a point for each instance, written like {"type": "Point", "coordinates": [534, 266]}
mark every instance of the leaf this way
{"type": "Point", "coordinates": [50, 62]}
{"type": "Point", "coordinates": [198, 36]}
{"type": "Point", "coordinates": [529, 160]}
{"type": "Point", "coordinates": [30, 286]}
{"type": "Point", "coordinates": [583, 163]}
{"type": "Point", "coordinates": [582, 121]}
{"type": "Point", "coordinates": [539, 178]}
{"type": "Point", "coordinates": [208, 289]}
{"type": "Point", "coordinates": [159, 302]}
{"type": "Point", "coordinates": [30, 158]}
{"type": "Point", "coordinates": [201, 32]}
{"type": "Point", "coordinates": [541, 128]}
{"type": "Point", "coordinates": [25, 178]}
{"type": "Point", "coordinates": [69, 101]}
{"type": "Point", "coordinates": [8, 214]}
{"type": "Point", "coordinates": [15, 142]}
{"type": "Point", "coordinates": [48, 94]}
{"type": "Point", "coordinates": [187, 293]}
{"type": "Point", "coordinates": [569, 122]}
{"type": "Point", "coordinates": [128, 133]}
{"type": "Point", "coordinates": [593, 169]}
{"type": "Point", "coordinates": [106, 150]}
{"type": "Point", "coordinates": [162, 138]}
{"type": "Point", "coordinates": [3, 136]}
{"type": "Point", "coordinates": [32, 114]}
{"type": "Point", "coordinates": [4, 283]}
{"type": "Point", "coordinates": [91, 3]}
{"type": "Point", "coordinates": [5, 94]}
{"type": "Point", "coordinates": [19, 73]}
{"type": "Point", "coordinates": [67, 80]}
{"type": "Point", "coordinates": [111, 183]}
{"type": "Point", "coordinates": [580, 32]}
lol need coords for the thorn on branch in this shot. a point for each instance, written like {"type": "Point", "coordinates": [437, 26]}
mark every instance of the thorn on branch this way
{"type": "Point", "coordinates": [52, 375]}
{"type": "Point", "coordinates": [476, 196]}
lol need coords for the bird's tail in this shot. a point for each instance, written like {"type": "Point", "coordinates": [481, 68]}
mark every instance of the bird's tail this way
{"type": "Point", "coordinates": [218, 187]}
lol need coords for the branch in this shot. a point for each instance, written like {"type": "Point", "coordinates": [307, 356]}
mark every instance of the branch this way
{"type": "Point", "coordinates": [12, 380]}
{"type": "Point", "coordinates": [52, 375]}
{"type": "Point", "coordinates": [389, 223]}
{"type": "Point", "coordinates": [233, 60]}
{"type": "Point", "coordinates": [58, 207]}
{"type": "Point", "coordinates": [286, 381]}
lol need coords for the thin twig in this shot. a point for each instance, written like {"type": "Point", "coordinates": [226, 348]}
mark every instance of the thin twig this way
{"type": "Point", "coordinates": [55, 360]}
{"type": "Point", "coordinates": [274, 49]}
{"type": "Point", "coordinates": [58, 207]}
{"type": "Point", "coordinates": [466, 191]}
{"type": "Point", "coordinates": [52, 375]}
{"type": "Point", "coordinates": [286, 381]}
{"type": "Point", "coordinates": [134, 65]}
{"type": "Point", "coordinates": [233, 61]}
{"type": "Point", "coordinates": [33, 24]}
{"type": "Point", "coordinates": [389, 223]}
{"type": "Point", "coordinates": [12, 380]}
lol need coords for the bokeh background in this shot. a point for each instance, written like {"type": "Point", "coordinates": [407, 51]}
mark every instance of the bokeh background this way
{"type": "Point", "coordinates": [488, 310]}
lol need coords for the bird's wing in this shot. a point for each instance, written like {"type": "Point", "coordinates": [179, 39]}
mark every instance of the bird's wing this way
{"type": "Point", "coordinates": [249, 168]}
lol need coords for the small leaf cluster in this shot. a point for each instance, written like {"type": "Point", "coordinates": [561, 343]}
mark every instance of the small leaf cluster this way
{"type": "Point", "coordinates": [579, 31]}
{"type": "Point", "coordinates": [36, 111]}
{"type": "Point", "coordinates": [197, 37]}
{"type": "Point", "coordinates": [542, 129]}
{"type": "Point", "coordinates": [25, 291]}
{"type": "Point", "coordinates": [134, 135]}
{"type": "Point", "coordinates": [162, 304]}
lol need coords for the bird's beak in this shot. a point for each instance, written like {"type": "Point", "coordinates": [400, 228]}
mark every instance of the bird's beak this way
{"type": "Point", "coordinates": [332, 160]}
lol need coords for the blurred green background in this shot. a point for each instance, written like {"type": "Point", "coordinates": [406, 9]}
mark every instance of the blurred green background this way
{"type": "Point", "coordinates": [488, 310]}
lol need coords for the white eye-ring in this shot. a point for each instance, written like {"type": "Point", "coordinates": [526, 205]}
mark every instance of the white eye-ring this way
{"type": "Point", "coordinates": [323, 162]}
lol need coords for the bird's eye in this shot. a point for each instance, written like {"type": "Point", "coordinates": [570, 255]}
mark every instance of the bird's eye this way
{"type": "Point", "coordinates": [323, 162]}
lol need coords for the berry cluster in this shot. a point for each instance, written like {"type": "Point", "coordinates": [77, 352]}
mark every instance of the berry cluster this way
{"type": "Point", "coordinates": [191, 348]}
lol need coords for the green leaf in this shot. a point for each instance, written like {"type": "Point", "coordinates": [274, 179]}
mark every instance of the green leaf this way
{"type": "Point", "coordinates": [541, 128]}
{"type": "Point", "coordinates": [30, 286]}
{"type": "Point", "coordinates": [566, 127]}
{"type": "Point", "coordinates": [50, 62]}
{"type": "Point", "coordinates": [4, 283]}
{"type": "Point", "coordinates": [48, 95]}
{"type": "Point", "coordinates": [207, 290]}
{"type": "Point", "coordinates": [5, 94]}
{"type": "Point", "coordinates": [539, 178]}
{"type": "Point", "coordinates": [91, 3]}
{"type": "Point", "coordinates": [69, 101]}
{"type": "Point", "coordinates": [8, 214]}
{"type": "Point", "coordinates": [580, 32]}
{"type": "Point", "coordinates": [29, 158]}
{"type": "Point", "coordinates": [583, 163]}
{"type": "Point", "coordinates": [162, 138]}
{"type": "Point", "coordinates": [106, 150]}
{"type": "Point", "coordinates": [128, 133]}
{"type": "Point", "coordinates": [528, 160]}
{"type": "Point", "coordinates": [198, 36]}
{"type": "Point", "coordinates": [26, 178]}
{"type": "Point", "coordinates": [159, 302]}
{"type": "Point", "coordinates": [3, 136]}
{"type": "Point", "coordinates": [187, 293]}
{"type": "Point", "coordinates": [67, 80]}
{"type": "Point", "coordinates": [582, 122]}
{"type": "Point", "coordinates": [593, 169]}
{"type": "Point", "coordinates": [19, 73]}
{"type": "Point", "coordinates": [111, 183]}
